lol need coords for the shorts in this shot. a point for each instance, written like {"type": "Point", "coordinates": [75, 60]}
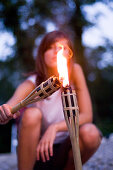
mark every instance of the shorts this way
{"type": "Point", "coordinates": [59, 158]}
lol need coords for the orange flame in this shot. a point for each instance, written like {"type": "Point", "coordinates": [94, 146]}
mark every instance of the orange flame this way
{"type": "Point", "coordinates": [62, 67]}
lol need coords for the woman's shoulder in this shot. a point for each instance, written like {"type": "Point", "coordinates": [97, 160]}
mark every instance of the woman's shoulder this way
{"type": "Point", "coordinates": [78, 76]}
{"type": "Point", "coordinates": [77, 71]}
{"type": "Point", "coordinates": [77, 67]}
{"type": "Point", "coordinates": [32, 78]}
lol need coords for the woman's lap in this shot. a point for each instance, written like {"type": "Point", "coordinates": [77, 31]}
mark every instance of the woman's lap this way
{"type": "Point", "coordinates": [59, 158]}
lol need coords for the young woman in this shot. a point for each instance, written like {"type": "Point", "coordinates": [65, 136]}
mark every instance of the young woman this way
{"type": "Point", "coordinates": [43, 133]}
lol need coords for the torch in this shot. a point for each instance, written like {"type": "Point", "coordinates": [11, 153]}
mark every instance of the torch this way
{"type": "Point", "coordinates": [70, 108]}
{"type": "Point", "coordinates": [42, 91]}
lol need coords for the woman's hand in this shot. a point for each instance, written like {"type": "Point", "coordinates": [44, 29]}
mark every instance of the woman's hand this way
{"type": "Point", "coordinates": [45, 145]}
{"type": "Point", "coordinates": [6, 115]}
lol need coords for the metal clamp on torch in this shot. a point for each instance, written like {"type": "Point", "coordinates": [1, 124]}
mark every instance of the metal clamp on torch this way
{"type": "Point", "coordinates": [70, 107]}
{"type": "Point", "coordinates": [42, 91]}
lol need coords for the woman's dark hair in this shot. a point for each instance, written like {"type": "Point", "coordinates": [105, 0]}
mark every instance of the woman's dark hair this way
{"type": "Point", "coordinates": [47, 41]}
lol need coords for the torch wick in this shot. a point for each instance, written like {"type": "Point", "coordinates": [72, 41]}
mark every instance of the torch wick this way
{"type": "Point", "coordinates": [68, 87]}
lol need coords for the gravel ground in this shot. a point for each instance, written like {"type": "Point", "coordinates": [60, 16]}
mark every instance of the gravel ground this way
{"type": "Point", "coordinates": [101, 160]}
{"type": "Point", "coordinates": [8, 162]}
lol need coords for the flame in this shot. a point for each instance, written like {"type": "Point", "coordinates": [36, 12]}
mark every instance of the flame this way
{"type": "Point", "coordinates": [62, 67]}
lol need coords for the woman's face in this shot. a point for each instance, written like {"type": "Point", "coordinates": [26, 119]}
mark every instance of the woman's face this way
{"type": "Point", "coordinates": [50, 56]}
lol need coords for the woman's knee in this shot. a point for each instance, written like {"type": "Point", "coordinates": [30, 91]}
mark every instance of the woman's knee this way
{"type": "Point", "coordinates": [31, 116]}
{"type": "Point", "coordinates": [90, 135]}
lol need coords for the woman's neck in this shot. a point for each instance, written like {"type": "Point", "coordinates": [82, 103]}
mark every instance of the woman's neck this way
{"type": "Point", "coordinates": [52, 72]}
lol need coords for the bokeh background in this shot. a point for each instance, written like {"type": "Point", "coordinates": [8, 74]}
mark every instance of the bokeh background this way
{"type": "Point", "coordinates": [89, 23]}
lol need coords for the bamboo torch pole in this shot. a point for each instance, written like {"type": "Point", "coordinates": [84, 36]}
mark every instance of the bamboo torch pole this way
{"type": "Point", "coordinates": [71, 114]}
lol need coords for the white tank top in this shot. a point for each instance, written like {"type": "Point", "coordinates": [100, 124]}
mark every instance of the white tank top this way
{"type": "Point", "coordinates": [52, 112]}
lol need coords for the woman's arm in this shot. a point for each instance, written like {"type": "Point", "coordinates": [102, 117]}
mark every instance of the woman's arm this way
{"type": "Point", "coordinates": [45, 145]}
{"type": "Point", "coordinates": [21, 92]}
{"type": "Point", "coordinates": [83, 97]}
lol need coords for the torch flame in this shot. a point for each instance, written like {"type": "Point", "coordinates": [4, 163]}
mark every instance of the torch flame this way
{"type": "Point", "coordinates": [62, 67]}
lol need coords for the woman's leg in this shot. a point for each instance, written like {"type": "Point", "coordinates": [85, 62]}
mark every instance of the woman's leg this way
{"type": "Point", "coordinates": [89, 141]}
{"type": "Point", "coordinates": [28, 138]}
